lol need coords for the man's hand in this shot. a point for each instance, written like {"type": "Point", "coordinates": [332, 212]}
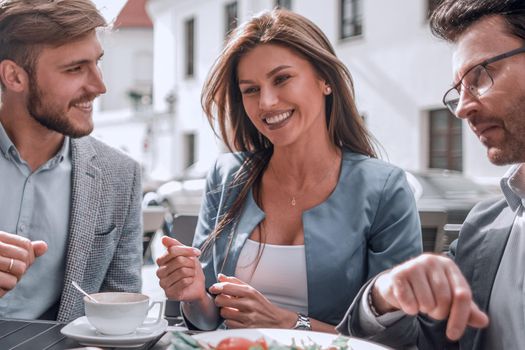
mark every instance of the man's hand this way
{"type": "Point", "coordinates": [17, 254]}
{"type": "Point", "coordinates": [433, 285]}
{"type": "Point", "coordinates": [242, 306]}
{"type": "Point", "coordinates": [180, 272]}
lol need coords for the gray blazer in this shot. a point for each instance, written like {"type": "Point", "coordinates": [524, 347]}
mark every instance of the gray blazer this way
{"type": "Point", "coordinates": [478, 253]}
{"type": "Point", "coordinates": [105, 238]}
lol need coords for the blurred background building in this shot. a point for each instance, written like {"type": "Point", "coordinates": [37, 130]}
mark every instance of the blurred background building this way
{"type": "Point", "coordinates": [158, 58]}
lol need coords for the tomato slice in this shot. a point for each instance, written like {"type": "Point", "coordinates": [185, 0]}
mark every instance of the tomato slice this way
{"type": "Point", "coordinates": [235, 343]}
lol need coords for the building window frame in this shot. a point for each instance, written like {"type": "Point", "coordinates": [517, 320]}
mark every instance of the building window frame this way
{"type": "Point", "coordinates": [190, 148]}
{"type": "Point", "coordinates": [445, 142]}
{"type": "Point", "coordinates": [189, 47]}
{"type": "Point", "coordinates": [285, 4]}
{"type": "Point", "coordinates": [351, 19]}
{"type": "Point", "coordinates": [231, 17]}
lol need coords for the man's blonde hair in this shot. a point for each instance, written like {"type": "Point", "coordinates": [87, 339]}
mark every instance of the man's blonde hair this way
{"type": "Point", "coordinates": [28, 25]}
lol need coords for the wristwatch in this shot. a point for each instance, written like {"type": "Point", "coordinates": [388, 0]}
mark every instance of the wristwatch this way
{"type": "Point", "coordinates": [302, 323]}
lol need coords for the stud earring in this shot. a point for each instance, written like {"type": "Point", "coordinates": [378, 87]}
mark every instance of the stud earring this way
{"type": "Point", "coordinates": [328, 90]}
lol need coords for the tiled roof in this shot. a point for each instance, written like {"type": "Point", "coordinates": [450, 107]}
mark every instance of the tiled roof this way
{"type": "Point", "coordinates": [133, 15]}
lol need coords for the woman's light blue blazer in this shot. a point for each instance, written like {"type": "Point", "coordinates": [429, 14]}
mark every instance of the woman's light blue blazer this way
{"type": "Point", "coordinates": [368, 224]}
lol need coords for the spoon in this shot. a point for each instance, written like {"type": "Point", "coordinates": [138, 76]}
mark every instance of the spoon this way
{"type": "Point", "coordinates": [75, 284]}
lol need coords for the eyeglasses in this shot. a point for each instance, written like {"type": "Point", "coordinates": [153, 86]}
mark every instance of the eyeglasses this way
{"type": "Point", "coordinates": [476, 81]}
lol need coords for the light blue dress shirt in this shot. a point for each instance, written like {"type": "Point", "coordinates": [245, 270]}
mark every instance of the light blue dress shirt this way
{"type": "Point", "coordinates": [507, 300]}
{"type": "Point", "coordinates": [35, 205]}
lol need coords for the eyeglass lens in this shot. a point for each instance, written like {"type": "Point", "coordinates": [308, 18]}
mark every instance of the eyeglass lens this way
{"type": "Point", "coordinates": [476, 82]}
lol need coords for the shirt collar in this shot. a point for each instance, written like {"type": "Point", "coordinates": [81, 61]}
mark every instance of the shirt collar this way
{"type": "Point", "coordinates": [7, 147]}
{"type": "Point", "coordinates": [63, 153]}
{"type": "Point", "coordinates": [5, 142]}
{"type": "Point", "coordinates": [513, 186]}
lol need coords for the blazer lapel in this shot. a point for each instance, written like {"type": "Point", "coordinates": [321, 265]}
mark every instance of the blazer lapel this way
{"type": "Point", "coordinates": [226, 254]}
{"type": "Point", "coordinates": [486, 266]}
{"type": "Point", "coordinates": [85, 192]}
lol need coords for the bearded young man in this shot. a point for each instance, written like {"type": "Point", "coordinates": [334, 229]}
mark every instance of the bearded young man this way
{"type": "Point", "coordinates": [70, 208]}
{"type": "Point", "coordinates": [486, 268]}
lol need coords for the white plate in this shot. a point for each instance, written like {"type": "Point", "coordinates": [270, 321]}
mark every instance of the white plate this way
{"type": "Point", "coordinates": [86, 334]}
{"type": "Point", "coordinates": [284, 336]}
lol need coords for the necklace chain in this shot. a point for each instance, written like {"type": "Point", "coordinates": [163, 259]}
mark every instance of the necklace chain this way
{"type": "Point", "coordinates": [293, 201]}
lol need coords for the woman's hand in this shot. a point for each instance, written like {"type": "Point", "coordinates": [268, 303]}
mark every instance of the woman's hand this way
{"type": "Point", "coordinates": [242, 306]}
{"type": "Point", "coordinates": [180, 272]}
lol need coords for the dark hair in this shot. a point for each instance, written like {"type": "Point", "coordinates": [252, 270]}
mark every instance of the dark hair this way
{"type": "Point", "coordinates": [452, 17]}
{"type": "Point", "coordinates": [222, 101]}
{"type": "Point", "coordinates": [27, 25]}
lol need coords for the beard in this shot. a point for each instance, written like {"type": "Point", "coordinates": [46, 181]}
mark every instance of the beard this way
{"type": "Point", "coordinates": [512, 149]}
{"type": "Point", "coordinates": [52, 115]}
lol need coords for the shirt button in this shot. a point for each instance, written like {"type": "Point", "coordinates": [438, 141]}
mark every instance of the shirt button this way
{"type": "Point", "coordinates": [22, 227]}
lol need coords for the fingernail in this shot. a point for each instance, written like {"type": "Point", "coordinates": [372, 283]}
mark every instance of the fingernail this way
{"type": "Point", "coordinates": [196, 251]}
{"type": "Point", "coordinates": [217, 287]}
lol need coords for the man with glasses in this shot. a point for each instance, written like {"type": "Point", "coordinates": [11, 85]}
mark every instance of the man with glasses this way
{"type": "Point", "coordinates": [440, 302]}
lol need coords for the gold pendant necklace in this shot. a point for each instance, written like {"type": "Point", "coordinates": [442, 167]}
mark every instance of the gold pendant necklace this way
{"type": "Point", "coordinates": [293, 201]}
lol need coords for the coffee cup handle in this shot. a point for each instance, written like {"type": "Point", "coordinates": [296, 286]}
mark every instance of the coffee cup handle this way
{"type": "Point", "coordinates": [150, 326]}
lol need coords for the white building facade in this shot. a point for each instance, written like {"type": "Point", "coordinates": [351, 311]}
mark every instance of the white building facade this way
{"type": "Point", "coordinates": [124, 117]}
{"type": "Point", "coordinates": [399, 69]}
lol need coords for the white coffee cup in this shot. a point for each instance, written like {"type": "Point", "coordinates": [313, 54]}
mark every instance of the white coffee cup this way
{"type": "Point", "coordinates": [118, 313]}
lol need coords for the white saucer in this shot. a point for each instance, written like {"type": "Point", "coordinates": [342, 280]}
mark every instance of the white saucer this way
{"type": "Point", "coordinates": [83, 332]}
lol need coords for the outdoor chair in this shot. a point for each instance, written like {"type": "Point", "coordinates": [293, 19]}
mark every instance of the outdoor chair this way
{"type": "Point", "coordinates": [153, 219]}
{"type": "Point", "coordinates": [183, 230]}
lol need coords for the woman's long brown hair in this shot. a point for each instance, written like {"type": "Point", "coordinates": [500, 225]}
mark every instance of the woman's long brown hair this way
{"type": "Point", "coordinates": [222, 101]}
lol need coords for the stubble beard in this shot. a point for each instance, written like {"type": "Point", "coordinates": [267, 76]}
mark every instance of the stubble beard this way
{"type": "Point", "coordinates": [51, 116]}
{"type": "Point", "coordinates": [512, 150]}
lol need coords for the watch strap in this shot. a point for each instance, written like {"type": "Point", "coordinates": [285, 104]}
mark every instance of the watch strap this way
{"type": "Point", "coordinates": [303, 322]}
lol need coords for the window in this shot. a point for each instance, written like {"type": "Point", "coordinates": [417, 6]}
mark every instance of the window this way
{"type": "Point", "coordinates": [446, 146]}
{"type": "Point", "coordinates": [140, 91]}
{"type": "Point", "coordinates": [189, 149]}
{"type": "Point", "coordinates": [285, 4]}
{"type": "Point", "coordinates": [351, 18]}
{"type": "Point", "coordinates": [431, 6]}
{"type": "Point", "coordinates": [231, 17]}
{"type": "Point", "coordinates": [189, 31]}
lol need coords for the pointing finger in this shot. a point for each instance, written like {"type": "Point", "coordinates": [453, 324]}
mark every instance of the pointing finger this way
{"type": "Point", "coordinates": [477, 319]}
{"type": "Point", "coordinates": [461, 304]}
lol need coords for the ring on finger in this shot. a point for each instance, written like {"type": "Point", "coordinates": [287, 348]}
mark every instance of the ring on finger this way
{"type": "Point", "coordinates": [11, 263]}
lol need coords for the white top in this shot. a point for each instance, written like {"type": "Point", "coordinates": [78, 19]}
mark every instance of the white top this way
{"type": "Point", "coordinates": [280, 274]}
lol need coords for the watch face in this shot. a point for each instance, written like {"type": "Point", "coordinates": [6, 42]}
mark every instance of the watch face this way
{"type": "Point", "coordinates": [303, 323]}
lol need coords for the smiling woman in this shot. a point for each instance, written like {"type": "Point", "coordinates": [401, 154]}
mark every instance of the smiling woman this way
{"type": "Point", "coordinates": [301, 213]}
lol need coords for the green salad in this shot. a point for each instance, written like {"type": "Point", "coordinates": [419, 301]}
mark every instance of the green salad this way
{"type": "Point", "coordinates": [182, 341]}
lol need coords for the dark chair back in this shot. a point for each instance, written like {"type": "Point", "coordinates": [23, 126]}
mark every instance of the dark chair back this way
{"type": "Point", "coordinates": [432, 227]}
{"type": "Point", "coordinates": [183, 230]}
